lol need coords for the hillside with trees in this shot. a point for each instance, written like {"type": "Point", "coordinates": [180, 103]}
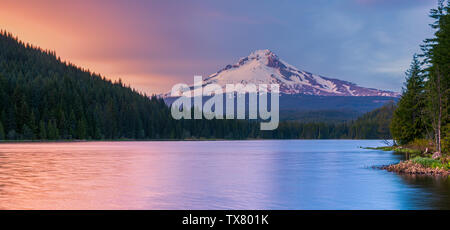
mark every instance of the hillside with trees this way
{"type": "Point", "coordinates": [45, 98]}
{"type": "Point", "coordinates": [372, 125]}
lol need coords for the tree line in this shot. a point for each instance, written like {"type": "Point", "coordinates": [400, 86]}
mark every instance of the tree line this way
{"type": "Point", "coordinates": [422, 114]}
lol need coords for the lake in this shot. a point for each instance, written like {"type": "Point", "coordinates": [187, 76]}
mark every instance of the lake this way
{"type": "Point", "coordinates": [278, 174]}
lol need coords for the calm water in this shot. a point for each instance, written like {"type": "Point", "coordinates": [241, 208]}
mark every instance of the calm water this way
{"type": "Point", "coordinates": [288, 174]}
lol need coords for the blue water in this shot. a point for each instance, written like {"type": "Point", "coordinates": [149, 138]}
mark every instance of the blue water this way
{"type": "Point", "coordinates": [279, 174]}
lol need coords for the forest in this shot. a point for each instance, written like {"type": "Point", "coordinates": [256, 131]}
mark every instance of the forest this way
{"type": "Point", "coordinates": [44, 98]}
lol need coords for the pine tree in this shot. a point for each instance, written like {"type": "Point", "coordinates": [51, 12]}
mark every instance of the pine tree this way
{"type": "Point", "coordinates": [2, 131]}
{"type": "Point", "coordinates": [28, 133]}
{"type": "Point", "coordinates": [42, 130]}
{"type": "Point", "coordinates": [32, 124]}
{"type": "Point", "coordinates": [437, 58]}
{"type": "Point", "coordinates": [52, 130]}
{"type": "Point", "coordinates": [12, 135]}
{"type": "Point", "coordinates": [408, 120]}
{"type": "Point", "coordinates": [81, 129]}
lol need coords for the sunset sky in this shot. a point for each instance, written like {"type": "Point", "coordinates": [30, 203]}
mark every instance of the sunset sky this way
{"type": "Point", "coordinates": [152, 45]}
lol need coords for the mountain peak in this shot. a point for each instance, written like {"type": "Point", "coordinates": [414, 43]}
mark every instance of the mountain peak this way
{"type": "Point", "coordinates": [265, 67]}
{"type": "Point", "coordinates": [261, 53]}
{"type": "Point", "coordinates": [261, 56]}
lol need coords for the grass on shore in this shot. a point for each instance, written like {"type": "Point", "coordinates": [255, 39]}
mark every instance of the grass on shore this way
{"type": "Point", "coordinates": [417, 157]}
{"type": "Point", "coordinates": [397, 149]}
{"type": "Point", "coordinates": [432, 163]}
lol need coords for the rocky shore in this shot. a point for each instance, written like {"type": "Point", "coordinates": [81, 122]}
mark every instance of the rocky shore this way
{"type": "Point", "coordinates": [409, 167]}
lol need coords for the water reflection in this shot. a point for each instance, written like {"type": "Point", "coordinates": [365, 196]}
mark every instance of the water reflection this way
{"type": "Point", "coordinates": [437, 190]}
{"type": "Point", "coordinates": [210, 175]}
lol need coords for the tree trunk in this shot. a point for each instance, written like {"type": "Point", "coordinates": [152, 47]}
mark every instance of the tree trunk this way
{"type": "Point", "coordinates": [438, 134]}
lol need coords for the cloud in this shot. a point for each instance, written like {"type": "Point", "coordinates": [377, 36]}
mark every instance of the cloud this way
{"type": "Point", "coordinates": [394, 4]}
{"type": "Point", "coordinates": [151, 44]}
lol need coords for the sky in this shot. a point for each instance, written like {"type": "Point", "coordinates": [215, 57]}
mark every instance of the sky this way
{"type": "Point", "coordinates": [152, 45]}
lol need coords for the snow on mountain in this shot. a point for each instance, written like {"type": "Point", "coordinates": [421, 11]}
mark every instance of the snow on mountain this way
{"type": "Point", "coordinates": [264, 67]}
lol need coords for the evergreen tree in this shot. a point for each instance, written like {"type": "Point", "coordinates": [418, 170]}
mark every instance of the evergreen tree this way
{"type": "Point", "coordinates": [437, 58]}
{"type": "Point", "coordinates": [2, 131]}
{"type": "Point", "coordinates": [407, 123]}
{"type": "Point", "coordinates": [12, 135]}
{"type": "Point", "coordinates": [52, 130]}
{"type": "Point", "coordinates": [81, 129]}
{"type": "Point", "coordinates": [28, 133]}
{"type": "Point", "coordinates": [42, 130]}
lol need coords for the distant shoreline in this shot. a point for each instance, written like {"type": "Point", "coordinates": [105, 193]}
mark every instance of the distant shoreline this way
{"type": "Point", "coordinates": [156, 140]}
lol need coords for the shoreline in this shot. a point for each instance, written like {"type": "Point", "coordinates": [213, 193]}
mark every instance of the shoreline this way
{"type": "Point", "coordinates": [157, 140]}
{"type": "Point", "coordinates": [417, 163]}
{"type": "Point", "coordinates": [410, 168]}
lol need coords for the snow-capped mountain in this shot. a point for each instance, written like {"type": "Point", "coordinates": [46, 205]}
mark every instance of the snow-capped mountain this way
{"type": "Point", "coordinates": [264, 67]}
